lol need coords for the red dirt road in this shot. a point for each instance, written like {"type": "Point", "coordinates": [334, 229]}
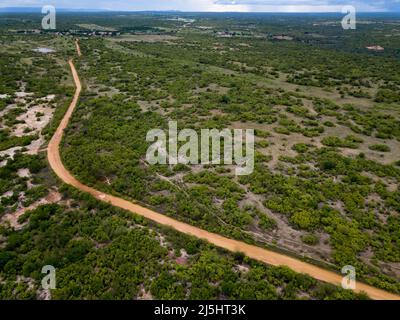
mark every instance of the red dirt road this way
{"type": "Point", "coordinates": [78, 48]}
{"type": "Point", "coordinates": [254, 252]}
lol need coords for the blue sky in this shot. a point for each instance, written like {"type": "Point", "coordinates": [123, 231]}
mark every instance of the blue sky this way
{"type": "Point", "coordinates": [216, 5]}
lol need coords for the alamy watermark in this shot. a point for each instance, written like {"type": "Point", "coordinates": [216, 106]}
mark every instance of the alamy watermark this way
{"type": "Point", "coordinates": [349, 280]}
{"type": "Point", "coordinates": [49, 281]}
{"type": "Point", "coordinates": [349, 22]}
{"type": "Point", "coordinates": [237, 145]}
{"type": "Point", "coordinates": [49, 20]}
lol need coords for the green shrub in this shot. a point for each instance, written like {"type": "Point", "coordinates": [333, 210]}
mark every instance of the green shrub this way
{"type": "Point", "coordinates": [380, 148]}
{"type": "Point", "coordinates": [310, 239]}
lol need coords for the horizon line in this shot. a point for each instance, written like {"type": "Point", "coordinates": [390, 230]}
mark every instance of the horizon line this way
{"type": "Point", "coordinates": [17, 8]}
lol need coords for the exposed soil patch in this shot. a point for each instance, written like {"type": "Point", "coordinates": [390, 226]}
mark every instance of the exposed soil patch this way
{"type": "Point", "coordinates": [285, 236]}
{"type": "Point", "coordinates": [12, 218]}
{"type": "Point", "coordinates": [35, 119]}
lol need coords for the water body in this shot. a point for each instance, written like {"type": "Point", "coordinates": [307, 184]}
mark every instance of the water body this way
{"type": "Point", "coordinates": [44, 50]}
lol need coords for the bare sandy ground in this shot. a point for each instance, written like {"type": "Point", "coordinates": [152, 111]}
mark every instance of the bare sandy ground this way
{"type": "Point", "coordinates": [12, 218]}
{"type": "Point", "coordinates": [37, 115]}
{"type": "Point", "coordinates": [10, 153]}
{"type": "Point", "coordinates": [254, 252]}
{"type": "Point", "coordinates": [31, 121]}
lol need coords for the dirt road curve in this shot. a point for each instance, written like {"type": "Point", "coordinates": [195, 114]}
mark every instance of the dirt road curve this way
{"type": "Point", "coordinates": [257, 253]}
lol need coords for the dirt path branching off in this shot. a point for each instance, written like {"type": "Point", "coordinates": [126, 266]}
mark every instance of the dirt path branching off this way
{"type": "Point", "coordinates": [254, 252]}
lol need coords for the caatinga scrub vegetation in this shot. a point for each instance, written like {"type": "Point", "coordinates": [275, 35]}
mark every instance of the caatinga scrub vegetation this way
{"type": "Point", "coordinates": [325, 109]}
